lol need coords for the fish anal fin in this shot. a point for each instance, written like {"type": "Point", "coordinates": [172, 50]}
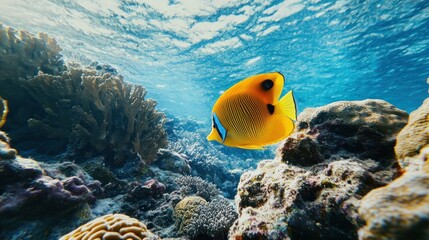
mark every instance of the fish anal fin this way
{"type": "Point", "coordinates": [279, 127]}
{"type": "Point", "coordinates": [287, 106]}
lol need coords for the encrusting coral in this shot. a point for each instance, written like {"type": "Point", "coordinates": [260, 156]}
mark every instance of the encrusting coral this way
{"type": "Point", "coordinates": [112, 227]}
{"type": "Point", "coordinates": [85, 111]}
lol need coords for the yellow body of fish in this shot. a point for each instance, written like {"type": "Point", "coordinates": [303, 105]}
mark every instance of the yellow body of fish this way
{"type": "Point", "coordinates": [250, 115]}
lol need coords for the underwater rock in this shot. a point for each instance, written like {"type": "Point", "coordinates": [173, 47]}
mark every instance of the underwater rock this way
{"type": "Point", "coordinates": [413, 137]}
{"type": "Point", "coordinates": [338, 154]}
{"type": "Point", "coordinates": [112, 226]}
{"type": "Point", "coordinates": [362, 129]}
{"type": "Point", "coordinates": [27, 191]}
{"type": "Point", "coordinates": [173, 162]}
{"type": "Point", "coordinates": [74, 108]}
{"type": "Point", "coordinates": [399, 210]}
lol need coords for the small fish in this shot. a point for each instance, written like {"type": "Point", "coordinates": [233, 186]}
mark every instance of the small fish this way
{"type": "Point", "coordinates": [250, 115]}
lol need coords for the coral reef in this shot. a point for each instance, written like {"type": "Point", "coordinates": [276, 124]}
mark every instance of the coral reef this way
{"type": "Point", "coordinates": [74, 107]}
{"type": "Point", "coordinates": [312, 189]}
{"type": "Point", "coordinates": [190, 185]}
{"type": "Point", "coordinates": [413, 137]}
{"type": "Point", "coordinates": [214, 163]}
{"type": "Point", "coordinates": [112, 226]}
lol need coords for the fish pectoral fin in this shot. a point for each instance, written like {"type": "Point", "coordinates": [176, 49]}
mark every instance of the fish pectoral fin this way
{"type": "Point", "coordinates": [287, 106]}
{"type": "Point", "coordinates": [251, 147]}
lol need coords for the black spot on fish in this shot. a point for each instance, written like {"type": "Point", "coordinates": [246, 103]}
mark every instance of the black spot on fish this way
{"type": "Point", "coordinates": [267, 84]}
{"type": "Point", "coordinates": [270, 108]}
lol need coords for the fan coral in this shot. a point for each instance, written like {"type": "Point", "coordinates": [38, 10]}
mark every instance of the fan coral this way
{"type": "Point", "coordinates": [86, 111]}
{"type": "Point", "coordinates": [212, 221]}
{"type": "Point", "coordinates": [195, 185]}
{"type": "Point", "coordinates": [112, 226]}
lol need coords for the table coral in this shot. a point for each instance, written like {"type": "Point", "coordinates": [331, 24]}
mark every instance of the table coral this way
{"type": "Point", "coordinates": [112, 227]}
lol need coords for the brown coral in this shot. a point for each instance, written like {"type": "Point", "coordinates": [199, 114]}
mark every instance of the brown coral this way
{"type": "Point", "coordinates": [85, 111]}
{"type": "Point", "coordinates": [96, 113]}
{"type": "Point", "coordinates": [112, 227]}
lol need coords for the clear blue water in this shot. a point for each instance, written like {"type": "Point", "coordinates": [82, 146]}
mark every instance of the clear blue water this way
{"type": "Point", "coordinates": [185, 52]}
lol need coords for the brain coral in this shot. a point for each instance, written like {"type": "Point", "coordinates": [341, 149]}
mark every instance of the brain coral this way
{"type": "Point", "coordinates": [186, 209]}
{"type": "Point", "coordinates": [112, 227]}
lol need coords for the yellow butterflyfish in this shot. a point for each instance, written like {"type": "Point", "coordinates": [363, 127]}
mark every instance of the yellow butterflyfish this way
{"type": "Point", "coordinates": [250, 115]}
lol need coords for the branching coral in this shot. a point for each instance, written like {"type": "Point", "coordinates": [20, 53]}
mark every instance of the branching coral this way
{"type": "Point", "coordinates": [89, 112]}
{"type": "Point", "coordinates": [212, 220]}
{"type": "Point", "coordinates": [195, 185]}
{"type": "Point", "coordinates": [112, 226]}
{"type": "Point", "coordinates": [96, 113]}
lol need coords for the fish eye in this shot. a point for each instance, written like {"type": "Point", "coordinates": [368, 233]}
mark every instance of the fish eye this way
{"type": "Point", "coordinates": [267, 84]}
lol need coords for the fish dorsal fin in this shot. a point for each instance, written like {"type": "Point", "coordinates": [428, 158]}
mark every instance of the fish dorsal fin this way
{"type": "Point", "coordinates": [286, 106]}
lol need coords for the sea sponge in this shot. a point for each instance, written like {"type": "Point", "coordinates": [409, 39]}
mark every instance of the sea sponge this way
{"type": "Point", "coordinates": [185, 210]}
{"type": "Point", "coordinates": [112, 227]}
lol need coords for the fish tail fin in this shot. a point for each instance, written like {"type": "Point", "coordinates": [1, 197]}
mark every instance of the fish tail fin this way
{"type": "Point", "coordinates": [287, 106]}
